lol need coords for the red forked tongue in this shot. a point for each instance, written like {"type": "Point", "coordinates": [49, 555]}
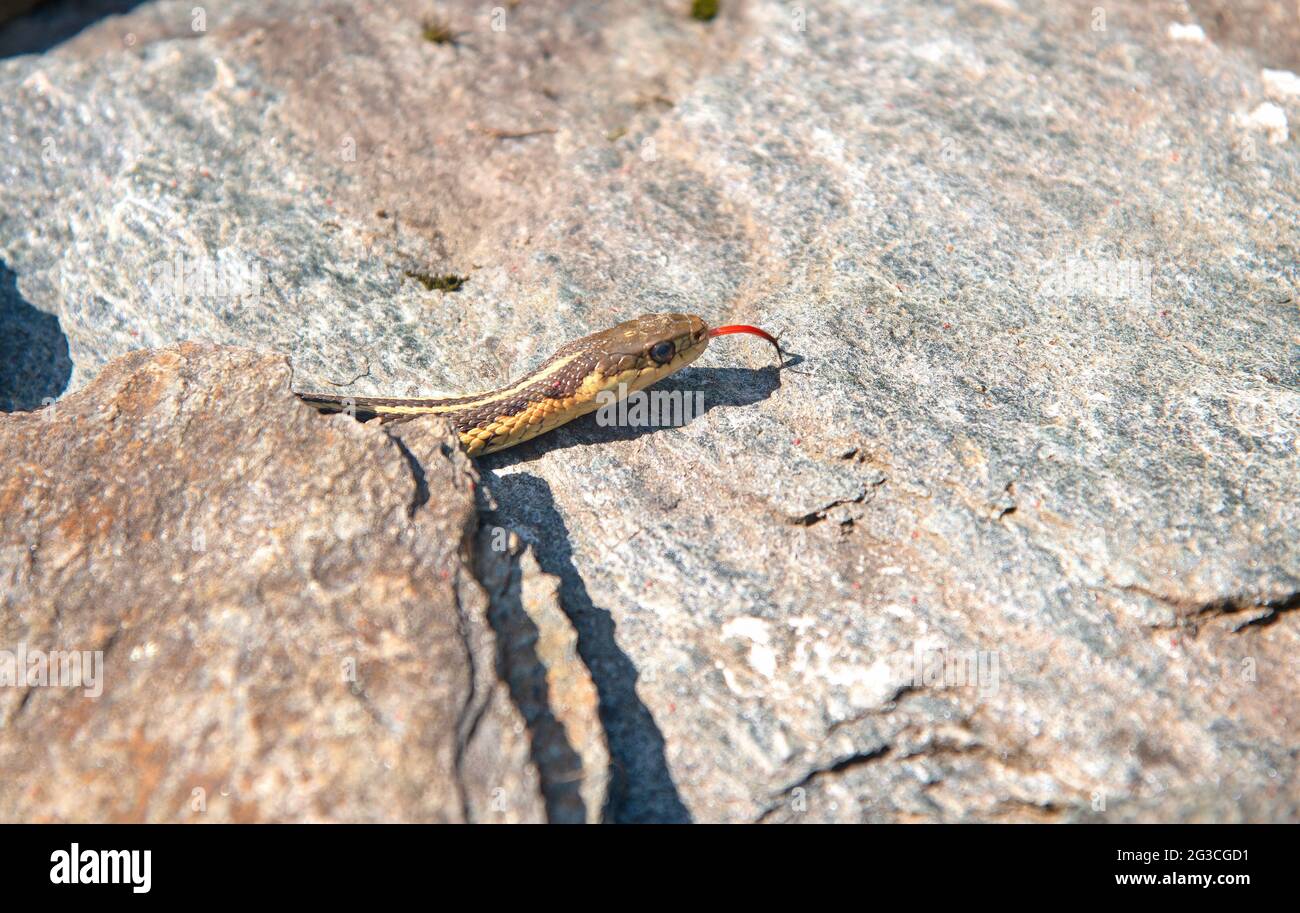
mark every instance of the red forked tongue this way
{"type": "Point", "coordinates": [746, 328]}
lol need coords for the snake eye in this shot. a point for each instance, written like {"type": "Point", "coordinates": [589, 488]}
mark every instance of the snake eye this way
{"type": "Point", "coordinates": [662, 352]}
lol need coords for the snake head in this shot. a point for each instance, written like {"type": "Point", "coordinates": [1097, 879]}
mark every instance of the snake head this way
{"type": "Point", "coordinates": [638, 352]}
{"type": "Point", "coordinates": [641, 351]}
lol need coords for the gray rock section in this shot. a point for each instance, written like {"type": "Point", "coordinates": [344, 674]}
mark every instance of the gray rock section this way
{"type": "Point", "coordinates": [1040, 276]}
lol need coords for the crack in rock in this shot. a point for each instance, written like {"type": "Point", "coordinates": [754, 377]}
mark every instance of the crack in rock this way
{"type": "Point", "coordinates": [839, 765]}
{"type": "Point", "coordinates": [1191, 611]}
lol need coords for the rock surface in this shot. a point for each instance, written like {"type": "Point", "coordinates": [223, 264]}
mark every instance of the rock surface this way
{"type": "Point", "coordinates": [280, 604]}
{"type": "Point", "coordinates": [1039, 272]}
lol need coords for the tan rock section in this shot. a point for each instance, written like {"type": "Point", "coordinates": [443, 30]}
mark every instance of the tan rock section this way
{"type": "Point", "coordinates": [279, 604]}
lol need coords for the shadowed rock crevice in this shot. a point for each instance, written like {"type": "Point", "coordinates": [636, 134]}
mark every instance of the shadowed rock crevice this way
{"type": "Point", "coordinates": [641, 786]}
{"type": "Point", "coordinates": [535, 662]}
{"type": "Point", "coordinates": [49, 24]}
{"type": "Point", "coordinates": [568, 779]}
{"type": "Point", "coordinates": [34, 362]}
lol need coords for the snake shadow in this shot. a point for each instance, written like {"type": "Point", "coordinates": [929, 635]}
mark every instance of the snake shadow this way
{"type": "Point", "coordinates": [35, 366]}
{"type": "Point", "coordinates": [641, 785]}
{"type": "Point", "coordinates": [46, 25]}
{"type": "Point", "coordinates": [722, 387]}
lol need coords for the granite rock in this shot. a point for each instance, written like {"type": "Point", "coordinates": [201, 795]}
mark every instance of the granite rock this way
{"type": "Point", "coordinates": [1010, 537]}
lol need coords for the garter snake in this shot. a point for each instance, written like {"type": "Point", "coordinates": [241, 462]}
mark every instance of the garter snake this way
{"type": "Point", "coordinates": [620, 360]}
